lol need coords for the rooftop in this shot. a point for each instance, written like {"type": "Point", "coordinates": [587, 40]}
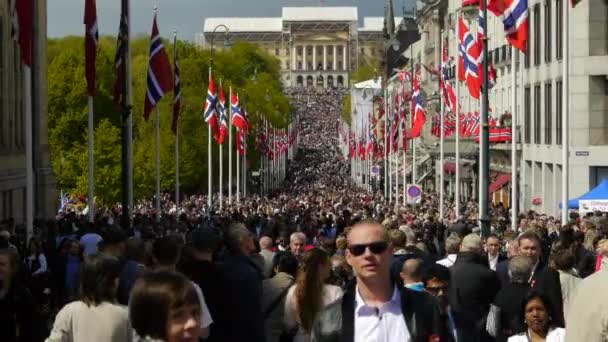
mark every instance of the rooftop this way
{"type": "Point", "coordinates": [246, 24]}
{"type": "Point", "coordinates": [317, 13]}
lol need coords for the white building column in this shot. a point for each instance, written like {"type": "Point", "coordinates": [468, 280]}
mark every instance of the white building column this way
{"type": "Point", "coordinates": [335, 56]}
{"type": "Point", "coordinates": [314, 57]}
{"type": "Point", "coordinates": [324, 57]}
{"type": "Point", "coordinates": [344, 67]}
{"type": "Point", "coordinates": [304, 57]}
{"type": "Point", "coordinates": [293, 58]}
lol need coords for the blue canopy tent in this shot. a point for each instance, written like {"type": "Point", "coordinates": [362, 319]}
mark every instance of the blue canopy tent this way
{"type": "Point", "coordinates": [600, 192]}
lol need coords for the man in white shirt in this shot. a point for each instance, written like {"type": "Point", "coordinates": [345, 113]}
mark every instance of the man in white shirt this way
{"type": "Point", "coordinates": [493, 251]}
{"type": "Point", "coordinates": [452, 246]}
{"type": "Point", "coordinates": [375, 308]}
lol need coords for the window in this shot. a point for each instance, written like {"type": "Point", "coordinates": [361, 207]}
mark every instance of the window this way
{"type": "Point", "coordinates": [527, 116]}
{"type": "Point", "coordinates": [548, 114]}
{"type": "Point", "coordinates": [277, 52]}
{"type": "Point", "coordinates": [527, 54]}
{"type": "Point", "coordinates": [548, 31]}
{"type": "Point", "coordinates": [536, 35]}
{"type": "Point", "coordinates": [537, 122]}
{"type": "Point", "coordinates": [558, 29]}
{"type": "Point", "coordinates": [299, 65]}
{"type": "Point", "coordinates": [558, 112]}
{"type": "Point", "coordinates": [363, 51]}
{"type": "Point", "coordinates": [299, 51]}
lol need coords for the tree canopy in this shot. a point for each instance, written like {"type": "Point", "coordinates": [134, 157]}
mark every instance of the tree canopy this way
{"type": "Point", "coordinates": [67, 110]}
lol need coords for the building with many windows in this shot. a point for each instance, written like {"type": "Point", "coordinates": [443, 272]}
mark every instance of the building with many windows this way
{"type": "Point", "coordinates": [316, 46]}
{"type": "Point", "coordinates": [538, 94]}
{"type": "Point", "coordinates": [12, 130]}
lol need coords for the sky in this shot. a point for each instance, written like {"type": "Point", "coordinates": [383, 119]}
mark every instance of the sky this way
{"type": "Point", "coordinates": [185, 16]}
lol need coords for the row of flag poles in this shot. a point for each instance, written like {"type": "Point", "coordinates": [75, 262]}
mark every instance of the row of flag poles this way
{"type": "Point", "coordinates": [478, 75]}
{"type": "Point", "coordinates": [220, 119]}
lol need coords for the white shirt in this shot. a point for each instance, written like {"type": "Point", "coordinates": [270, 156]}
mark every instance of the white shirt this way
{"type": "Point", "coordinates": [448, 261]}
{"type": "Point", "coordinates": [380, 324]}
{"type": "Point", "coordinates": [555, 335]}
{"type": "Point", "coordinates": [493, 261]}
{"type": "Point", "coordinates": [206, 319]}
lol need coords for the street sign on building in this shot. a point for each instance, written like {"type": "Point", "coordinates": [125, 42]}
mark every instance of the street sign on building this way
{"type": "Point", "coordinates": [414, 194]}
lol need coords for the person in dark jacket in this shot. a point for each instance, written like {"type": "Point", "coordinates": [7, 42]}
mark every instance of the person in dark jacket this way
{"type": "Point", "coordinates": [474, 285]}
{"type": "Point", "coordinates": [406, 315]}
{"type": "Point", "coordinates": [242, 286]}
{"type": "Point", "coordinates": [19, 321]}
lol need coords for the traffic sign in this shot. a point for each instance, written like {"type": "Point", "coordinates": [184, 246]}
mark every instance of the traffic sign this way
{"type": "Point", "coordinates": [414, 194]}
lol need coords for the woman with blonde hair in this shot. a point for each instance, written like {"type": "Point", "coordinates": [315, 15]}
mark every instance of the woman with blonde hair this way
{"type": "Point", "coordinates": [310, 294]}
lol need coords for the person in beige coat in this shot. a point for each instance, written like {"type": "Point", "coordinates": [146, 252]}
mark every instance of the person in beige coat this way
{"type": "Point", "coordinates": [274, 293]}
{"type": "Point", "coordinates": [587, 318]}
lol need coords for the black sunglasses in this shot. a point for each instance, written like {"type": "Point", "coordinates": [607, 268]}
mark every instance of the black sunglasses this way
{"type": "Point", "coordinates": [375, 247]}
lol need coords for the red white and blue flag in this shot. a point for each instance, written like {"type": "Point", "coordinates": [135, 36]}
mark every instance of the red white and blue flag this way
{"type": "Point", "coordinates": [210, 110]}
{"type": "Point", "coordinates": [448, 91]}
{"type": "Point", "coordinates": [238, 120]}
{"type": "Point", "coordinates": [177, 92]}
{"type": "Point", "coordinates": [91, 39]}
{"type": "Point", "coordinates": [223, 118]}
{"type": "Point", "coordinates": [468, 59]}
{"type": "Point", "coordinates": [474, 125]}
{"type": "Point", "coordinates": [419, 115]}
{"type": "Point", "coordinates": [514, 15]}
{"type": "Point", "coordinates": [480, 41]}
{"type": "Point", "coordinates": [160, 79]}
{"type": "Point", "coordinates": [120, 59]}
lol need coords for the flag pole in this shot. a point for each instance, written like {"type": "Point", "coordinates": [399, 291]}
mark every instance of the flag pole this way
{"type": "Point", "coordinates": [91, 127]}
{"type": "Point", "coordinates": [514, 203]}
{"type": "Point", "coordinates": [441, 144]}
{"type": "Point", "coordinates": [458, 130]}
{"type": "Point", "coordinates": [176, 133]}
{"type": "Point", "coordinates": [565, 110]}
{"type": "Point", "coordinates": [230, 149]}
{"type": "Point", "coordinates": [220, 159]}
{"type": "Point", "coordinates": [404, 144]}
{"type": "Point", "coordinates": [238, 171]}
{"type": "Point", "coordinates": [244, 166]}
{"type": "Point", "coordinates": [390, 156]}
{"type": "Point", "coordinates": [209, 157]}
{"type": "Point", "coordinates": [385, 135]}
{"type": "Point", "coordinates": [157, 145]}
{"type": "Point", "coordinates": [484, 160]}
{"type": "Point", "coordinates": [29, 152]}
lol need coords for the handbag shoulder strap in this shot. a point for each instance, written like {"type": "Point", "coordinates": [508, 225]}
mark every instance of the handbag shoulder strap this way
{"type": "Point", "coordinates": [277, 301]}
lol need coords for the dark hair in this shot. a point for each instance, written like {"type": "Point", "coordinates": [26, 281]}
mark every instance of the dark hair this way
{"type": "Point", "coordinates": [309, 286]}
{"type": "Point", "coordinates": [153, 297]}
{"type": "Point", "coordinates": [437, 271]}
{"type": "Point", "coordinates": [112, 235]}
{"type": "Point", "coordinates": [529, 235]}
{"type": "Point", "coordinates": [531, 295]}
{"type": "Point", "coordinates": [563, 259]}
{"type": "Point", "coordinates": [98, 274]}
{"type": "Point", "coordinates": [166, 250]}
{"type": "Point", "coordinates": [205, 240]}
{"type": "Point", "coordinates": [287, 263]}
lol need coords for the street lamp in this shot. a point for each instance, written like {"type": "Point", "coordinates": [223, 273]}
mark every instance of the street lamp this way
{"type": "Point", "coordinates": [226, 38]}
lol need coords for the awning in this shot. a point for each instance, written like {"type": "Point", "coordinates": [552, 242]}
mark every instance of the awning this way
{"type": "Point", "coordinates": [500, 180]}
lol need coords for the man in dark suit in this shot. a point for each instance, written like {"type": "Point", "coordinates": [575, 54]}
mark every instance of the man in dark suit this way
{"type": "Point", "coordinates": [544, 279]}
{"type": "Point", "coordinates": [493, 251]}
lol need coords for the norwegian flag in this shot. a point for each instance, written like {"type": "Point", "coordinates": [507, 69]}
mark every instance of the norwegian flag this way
{"type": "Point", "coordinates": [223, 118]}
{"type": "Point", "coordinates": [514, 15]}
{"type": "Point", "coordinates": [468, 59]}
{"type": "Point", "coordinates": [238, 120]}
{"type": "Point", "coordinates": [474, 125]}
{"type": "Point", "coordinates": [241, 142]}
{"type": "Point", "coordinates": [480, 42]}
{"type": "Point", "coordinates": [449, 124]}
{"type": "Point", "coordinates": [160, 79]}
{"type": "Point", "coordinates": [435, 127]}
{"type": "Point", "coordinates": [464, 123]}
{"type": "Point", "coordinates": [405, 75]}
{"type": "Point", "coordinates": [91, 39]}
{"type": "Point", "coordinates": [209, 112]}
{"type": "Point", "coordinates": [177, 90]}
{"type": "Point", "coordinates": [498, 134]}
{"type": "Point", "coordinates": [361, 150]}
{"type": "Point", "coordinates": [448, 91]}
{"type": "Point", "coordinates": [122, 43]}
{"type": "Point", "coordinates": [419, 116]}
{"type": "Point", "coordinates": [371, 141]}
{"type": "Point", "coordinates": [22, 27]}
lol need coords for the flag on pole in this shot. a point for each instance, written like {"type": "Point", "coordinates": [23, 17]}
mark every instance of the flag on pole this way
{"type": "Point", "coordinates": [177, 91]}
{"type": "Point", "coordinates": [448, 91]}
{"type": "Point", "coordinates": [120, 59]}
{"type": "Point", "coordinates": [22, 27]}
{"type": "Point", "coordinates": [160, 79]}
{"type": "Point", "coordinates": [469, 57]}
{"type": "Point", "coordinates": [91, 39]}
{"type": "Point", "coordinates": [238, 120]}
{"type": "Point", "coordinates": [223, 117]}
{"type": "Point", "coordinates": [419, 116]}
{"type": "Point", "coordinates": [210, 110]}
{"type": "Point", "coordinates": [480, 42]}
{"type": "Point", "coordinates": [514, 15]}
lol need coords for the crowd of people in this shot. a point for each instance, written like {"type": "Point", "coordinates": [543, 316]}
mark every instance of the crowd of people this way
{"type": "Point", "coordinates": [318, 259]}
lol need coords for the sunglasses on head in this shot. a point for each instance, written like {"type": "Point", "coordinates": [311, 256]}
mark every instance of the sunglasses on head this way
{"type": "Point", "coordinates": [375, 247]}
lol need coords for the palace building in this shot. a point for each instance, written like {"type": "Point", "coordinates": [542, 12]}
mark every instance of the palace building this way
{"type": "Point", "coordinates": [316, 46]}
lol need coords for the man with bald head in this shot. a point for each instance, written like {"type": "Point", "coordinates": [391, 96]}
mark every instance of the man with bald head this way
{"type": "Point", "coordinates": [375, 308]}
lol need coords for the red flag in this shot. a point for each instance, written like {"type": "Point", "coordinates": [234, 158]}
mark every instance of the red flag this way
{"type": "Point", "coordinates": [91, 38]}
{"type": "Point", "coordinates": [160, 77]}
{"type": "Point", "coordinates": [22, 30]}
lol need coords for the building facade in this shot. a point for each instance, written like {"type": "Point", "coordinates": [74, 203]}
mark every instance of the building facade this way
{"type": "Point", "coordinates": [316, 46]}
{"type": "Point", "coordinates": [539, 94]}
{"type": "Point", "coordinates": [12, 128]}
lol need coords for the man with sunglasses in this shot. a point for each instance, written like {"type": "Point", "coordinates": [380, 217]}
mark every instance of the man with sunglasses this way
{"type": "Point", "coordinates": [374, 308]}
